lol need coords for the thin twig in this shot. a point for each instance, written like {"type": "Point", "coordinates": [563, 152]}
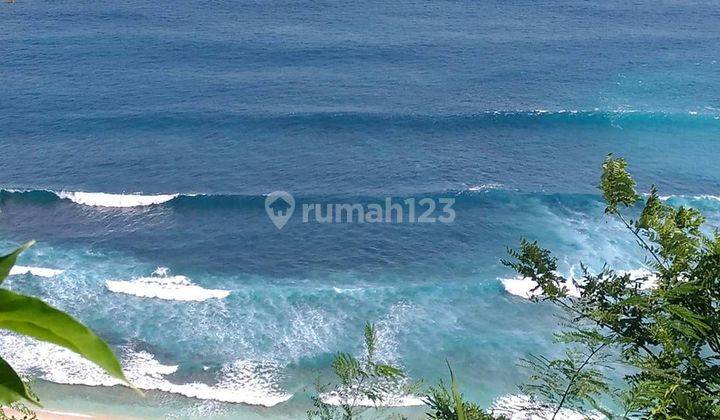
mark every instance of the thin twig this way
{"type": "Point", "coordinates": [641, 239]}
{"type": "Point", "coordinates": [574, 377]}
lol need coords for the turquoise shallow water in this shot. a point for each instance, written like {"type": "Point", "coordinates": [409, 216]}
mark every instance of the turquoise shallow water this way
{"type": "Point", "coordinates": [190, 115]}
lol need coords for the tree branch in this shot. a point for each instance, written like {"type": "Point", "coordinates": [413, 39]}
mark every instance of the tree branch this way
{"type": "Point", "coordinates": [574, 377]}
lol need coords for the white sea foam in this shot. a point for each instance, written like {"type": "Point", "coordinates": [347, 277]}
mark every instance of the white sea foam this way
{"type": "Point", "coordinates": [388, 400]}
{"type": "Point", "coordinates": [35, 271]}
{"type": "Point", "coordinates": [523, 407]}
{"type": "Point", "coordinates": [161, 285]}
{"type": "Point", "coordinates": [523, 287]}
{"type": "Point", "coordinates": [243, 381]}
{"type": "Point", "coordinates": [114, 200]}
{"type": "Point", "coordinates": [347, 290]}
{"type": "Point", "coordinates": [520, 286]}
{"type": "Point", "coordinates": [650, 281]}
{"type": "Point", "coordinates": [707, 197]}
{"type": "Point", "coordinates": [484, 187]}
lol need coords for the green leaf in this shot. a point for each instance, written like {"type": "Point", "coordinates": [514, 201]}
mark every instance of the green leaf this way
{"type": "Point", "coordinates": [457, 397]}
{"type": "Point", "coordinates": [8, 261]}
{"type": "Point", "coordinates": [370, 339]}
{"type": "Point", "coordinates": [346, 368]}
{"type": "Point", "coordinates": [12, 387]}
{"type": "Point", "coordinates": [617, 185]}
{"type": "Point", "coordinates": [683, 289]}
{"type": "Point", "coordinates": [34, 318]}
{"type": "Point", "coordinates": [689, 317]}
{"type": "Point", "coordinates": [536, 263]}
{"type": "Point", "coordinates": [388, 371]}
{"type": "Point", "coordinates": [637, 300]}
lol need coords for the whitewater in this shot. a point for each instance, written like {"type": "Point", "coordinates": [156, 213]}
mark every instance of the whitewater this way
{"type": "Point", "coordinates": [139, 142]}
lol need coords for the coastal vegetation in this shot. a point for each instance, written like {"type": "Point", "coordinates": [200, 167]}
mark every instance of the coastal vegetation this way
{"type": "Point", "coordinates": [31, 317]}
{"type": "Point", "coordinates": [661, 330]}
{"type": "Point", "coordinates": [662, 327]}
{"type": "Point", "coordinates": [449, 404]}
{"type": "Point", "coordinates": [361, 384]}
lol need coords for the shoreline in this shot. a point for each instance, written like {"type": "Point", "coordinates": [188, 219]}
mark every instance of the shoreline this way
{"type": "Point", "coordinates": [43, 414]}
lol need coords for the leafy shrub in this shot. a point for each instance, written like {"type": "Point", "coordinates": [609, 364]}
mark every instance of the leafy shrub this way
{"type": "Point", "coordinates": [361, 383]}
{"type": "Point", "coordinates": [449, 404]}
{"type": "Point", "coordinates": [664, 325]}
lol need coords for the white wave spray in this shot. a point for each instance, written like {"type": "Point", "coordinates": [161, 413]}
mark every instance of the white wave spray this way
{"type": "Point", "coordinates": [523, 407]}
{"type": "Point", "coordinates": [161, 285]}
{"type": "Point", "coordinates": [526, 287]}
{"type": "Point", "coordinates": [99, 199]}
{"type": "Point", "coordinates": [243, 381]}
{"type": "Point", "coordinates": [35, 271]}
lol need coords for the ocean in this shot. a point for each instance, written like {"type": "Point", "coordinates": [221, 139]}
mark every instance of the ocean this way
{"type": "Point", "coordinates": [140, 141]}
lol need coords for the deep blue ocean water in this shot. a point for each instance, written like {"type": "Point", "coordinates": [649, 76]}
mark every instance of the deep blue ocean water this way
{"type": "Point", "coordinates": [508, 107]}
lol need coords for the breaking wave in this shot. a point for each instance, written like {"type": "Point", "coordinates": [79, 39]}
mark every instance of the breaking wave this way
{"type": "Point", "coordinates": [484, 187]}
{"type": "Point", "coordinates": [471, 193]}
{"type": "Point", "coordinates": [35, 271]}
{"type": "Point", "coordinates": [525, 287]}
{"type": "Point", "coordinates": [389, 399]}
{"type": "Point", "coordinates": [524, 407]}
{"type": "Point", "coordinates": [240, 382]}
{"type": "Point", "coordinates": [92, 199]}
{"type": "Point", "coordinates": [161, 285]}
{"type": "Point", "coordinates": [114, 200]}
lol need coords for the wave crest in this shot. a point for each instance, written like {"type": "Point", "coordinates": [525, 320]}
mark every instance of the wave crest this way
{"type": "Point", "coordinates": [524, 287]}
{"type": "Point", "coordinates": [161, 285]}
{"type": "Point", "coordinates": [470, 193]}
{"type": "Point", "coordinates": [101, 199]}
{"type": "Point", "coordinates": [35, 271]}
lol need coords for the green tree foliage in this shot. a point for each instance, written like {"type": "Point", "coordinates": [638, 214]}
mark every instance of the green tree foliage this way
{"type": "Point", "coordinates": [574, 381]}
{"type": "Point", "coordinates": [361, 383]}
{"type": "Point", "coordinates": [29, 316]}
{"type": "Point", "coordinates": [669, 334]}
{"type": "Point", "coordinates": [449, 404]}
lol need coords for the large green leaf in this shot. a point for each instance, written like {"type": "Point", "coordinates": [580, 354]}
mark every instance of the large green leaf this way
{"type": "Point", "coordinates": [7, 261]}
{"type": "Point", "coordinates": [34, 318]}
{"type": "Point", "coordinates": [12, 388]}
